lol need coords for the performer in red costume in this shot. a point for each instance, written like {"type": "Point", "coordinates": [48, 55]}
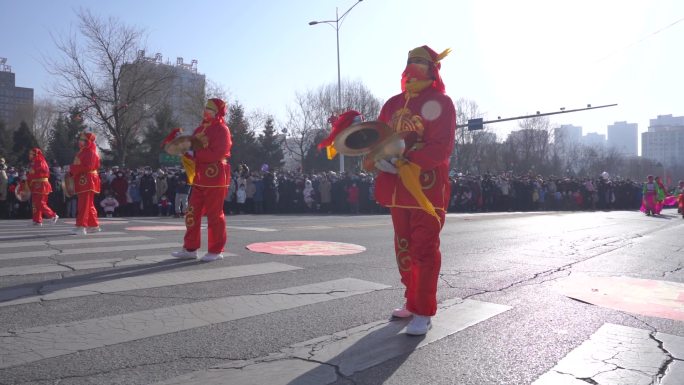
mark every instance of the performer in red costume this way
{"type": "Point", "coordinates": [211, 143]}
{"type": "Point", "coordinates": [39, 185]}
{"type": "Point", "coordinates": [416, 187]}
{"type": "Point", "coordinates": [86, 183]}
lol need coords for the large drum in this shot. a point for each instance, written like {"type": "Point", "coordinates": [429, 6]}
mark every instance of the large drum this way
{"type": "Point", "coordinates": [68, 185]}
{"type": "Point", "coordinates": [23, 192]}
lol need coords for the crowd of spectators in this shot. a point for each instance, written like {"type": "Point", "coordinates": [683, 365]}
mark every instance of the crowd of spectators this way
{"type": "Point", "coordinates": [164, 192]}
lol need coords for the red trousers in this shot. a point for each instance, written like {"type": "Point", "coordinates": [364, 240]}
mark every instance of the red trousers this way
{"type": "Point", "coordinates": [416, 244]}
{"type": "Point", "coordinates": [206, 201]}
{"type": "Point", "coordinates": [87, 214]}
{"type": "Point", "coordinates": [40, 207]}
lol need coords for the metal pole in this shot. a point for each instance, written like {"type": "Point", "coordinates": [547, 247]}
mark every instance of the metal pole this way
{"type": "Point", "coordinates": [339, 81]}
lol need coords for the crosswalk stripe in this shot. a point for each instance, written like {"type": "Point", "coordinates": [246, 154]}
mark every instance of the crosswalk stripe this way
{"type": "Point", "coordinates": [73, 241]}
{"type": "Point", "coordinates": [92, 250]}
{"type": "Point", "coordinates": [22, 235]}
{"type": "Point", "coordinates": [318, 361]}
{"type": "Point", "coordinates": [89, 264]}
{"type": "Point", "coordinates": [617, 354]}
{"type": "Point", "coordinates": [112, 284]}
{"type": "Point", "coordinates": [38, 343]}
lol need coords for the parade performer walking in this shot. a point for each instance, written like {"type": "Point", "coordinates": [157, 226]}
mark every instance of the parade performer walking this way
{"type": "Point", "coordinates": [416, 187]}
{"type": "Point", "coordinates": [660, 198]}
{"type": "Point", "coordinates": [84, 171]}
{"type": "Point", "coordinates": [211, 144]}
{"type": "Point", "coordinates": [650, 192]}
{"type": "Point", "coordinates": [40, 187]}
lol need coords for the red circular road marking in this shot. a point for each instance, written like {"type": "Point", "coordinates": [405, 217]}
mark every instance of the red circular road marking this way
{"type": "Point", "coordinates": [649, 297]}
{"type": "Point", "coordinates": [306, 248]}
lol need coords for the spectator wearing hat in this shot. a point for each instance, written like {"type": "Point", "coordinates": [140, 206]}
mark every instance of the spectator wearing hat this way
{"type": "Point", "coordinates": [39, 184]}
{"type": "Point", "coordinates": [211, 144]}
{"type": "Point", "coordinates": [84, 170]}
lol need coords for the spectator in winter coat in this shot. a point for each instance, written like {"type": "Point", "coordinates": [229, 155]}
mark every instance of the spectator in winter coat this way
{"type": "Point", "coordinates": [109, 205]}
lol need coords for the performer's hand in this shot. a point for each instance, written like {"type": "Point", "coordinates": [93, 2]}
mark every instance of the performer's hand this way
{"type": "Point", "coordinates": [386, 166]}
{"type": "Point", "coordinates": [195, 143]}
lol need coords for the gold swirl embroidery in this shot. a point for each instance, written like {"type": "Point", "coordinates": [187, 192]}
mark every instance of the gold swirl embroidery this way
{"type": "Point", "coordinates": [428, 179]}
{"type": "Point", "coordinates": [211, 171]}
{"type": "Point", "coordinates": [190, 217]}
{"type": "Point", "coordinates": [402, 252]}
{"type": "Point", "coordinates": [403, 120]}
{"type": "Point", "coordinates": [82, 180]}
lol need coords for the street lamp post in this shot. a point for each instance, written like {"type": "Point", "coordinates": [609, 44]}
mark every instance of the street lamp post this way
{"type": "Point", "coordinates": [336, 25]}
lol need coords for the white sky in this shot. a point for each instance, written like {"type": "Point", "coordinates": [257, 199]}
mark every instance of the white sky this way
{"type": "Point", "coordinates": [511, 57]}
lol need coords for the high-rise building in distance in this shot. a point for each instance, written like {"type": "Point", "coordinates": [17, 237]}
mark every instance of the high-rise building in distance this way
{"type": "Point", "coordinates": [624, 137]}
{"type": "Point", "coordinates": [16, 103]}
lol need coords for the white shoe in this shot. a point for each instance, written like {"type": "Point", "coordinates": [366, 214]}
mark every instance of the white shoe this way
{"type": "Point", "coordinates": [54, 219]}
{"type": "Point", "coordinates": [36, 224]}
{"type": "Point", "coordinates": [184, 254]}
{"type": "Point", "coordinates": [94, 229]}
{"type": "Point", "coordinates": [419, 325]}
{"type": "Point", "coordinates": [401, 312]}
{"type": "Point", "coordinates": [209, 257]}
{"type": "Point", "coordinates": [79, 231]}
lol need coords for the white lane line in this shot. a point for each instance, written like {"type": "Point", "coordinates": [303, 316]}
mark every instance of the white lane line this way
{"type": "Point", "coordinates": [34, 344]}
{"type": "Point", "coordinates": [109, 283]}
{"type": "Point", "coordinates": [73, 241]}
{"type": "Point", "coordinates": [617, 354]}
{"type": "Point", "coordinates": [258, 229]}
{"type": "Point", "coordinates": [230, 227]}
{"type": "Point", "coordinates": [350, 351]}
{"type": "Point", "coordinates": [91, 250]}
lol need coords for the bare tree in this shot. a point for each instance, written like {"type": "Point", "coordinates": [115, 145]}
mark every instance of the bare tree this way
{"type": "Point", "coordinates": [472, 149]}
{"type": "Point", "coordinates": [312, 110]}
{"type": "Point", "coordinates": [117, 90]}
{"type": "Point", "coordinates": [45, 115]}
{"type": "Point", "coordinates": [528, 149]}
{"type": "Point", "coordinates": [303, 123]}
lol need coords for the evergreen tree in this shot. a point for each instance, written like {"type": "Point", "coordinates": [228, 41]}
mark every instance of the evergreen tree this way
{"type": "Point", "coordinates": [317, 160]}
{"type": "Point", "coordinates": [271, 150]}
{"type": "Point", "coordinates": [5, 142]}
{"type": "Point", "coordinates": [151, 149]}
{"type": "Point", "coordinates": [63, 144]}
{"type": "Point", "coordinates": [245, 148]}
{"type": "Point", "coordinates": [23, 141]}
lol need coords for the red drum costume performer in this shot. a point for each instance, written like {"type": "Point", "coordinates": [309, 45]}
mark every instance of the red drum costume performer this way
{"type": "Point", "coordinates": [416, 187]}
{"type": "Point", "coordinates": [39, 185]}
{"type": "Point", "coordinates": [86, 183]}
{"type": "Point", "coordinates": [211, 144]}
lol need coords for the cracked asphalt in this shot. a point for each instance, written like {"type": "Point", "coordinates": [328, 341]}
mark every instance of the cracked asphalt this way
{"type": "Point", "coordinates": [512, 259]}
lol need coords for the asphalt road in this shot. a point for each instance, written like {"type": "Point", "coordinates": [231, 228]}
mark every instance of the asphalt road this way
{"type": "Point", "coordinates": [111, 308]}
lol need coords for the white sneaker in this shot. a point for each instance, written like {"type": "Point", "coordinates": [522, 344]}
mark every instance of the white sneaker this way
{"type": "Point", "coordinates": [79, 231]}
{"type": "Point", "coordinates": [209, 257]}
{"type": "Point", "coordinates": [94, 229]}
{"type": "Point", "coordinates": [184, 254]}
{"type": "Point", "coordinates": [401, 312]}
{"type": "Point", "coordinates": [37, 224]}
{"type": "Point", "coordinates": [419, 325]}
{"type": "Point", "coordinates": [54, 219]}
